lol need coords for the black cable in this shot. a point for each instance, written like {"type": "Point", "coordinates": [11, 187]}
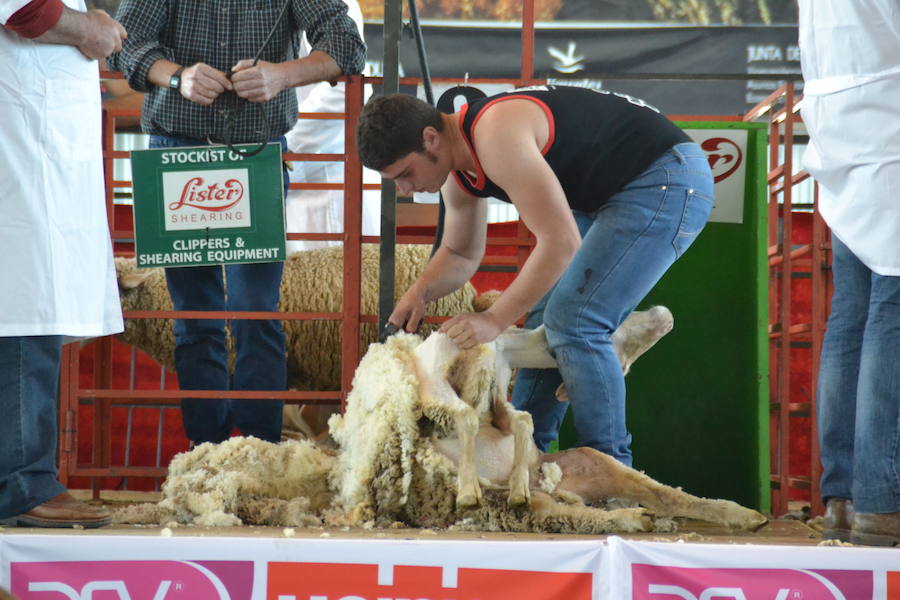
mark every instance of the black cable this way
{"type": "Point", "coordinates": [429, 97]}
{"type": "Point", "coordinates": [242, 103]}
{"type": "Point", "coordinates": [420, 46]}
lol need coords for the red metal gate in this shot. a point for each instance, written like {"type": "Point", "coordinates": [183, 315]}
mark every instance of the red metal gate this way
{"type": "Point", "coordinates": [799, 268]}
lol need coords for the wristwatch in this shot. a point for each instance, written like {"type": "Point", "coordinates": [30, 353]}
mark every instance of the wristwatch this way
{"type": "Point", "coordinates": [175, 79]}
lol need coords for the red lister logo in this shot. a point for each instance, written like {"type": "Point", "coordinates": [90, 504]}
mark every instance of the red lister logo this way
{"type": "Point", "coordinates": [328, 581]}
{"type": "Point", "coordinates": [213, 197]}
{"type": "Point", "coordinates": [724, 157]}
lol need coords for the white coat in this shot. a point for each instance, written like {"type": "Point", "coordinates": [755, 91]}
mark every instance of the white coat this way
{"type": "Point", "coordinates": [850, 56]}
{"type": "Point", "coordinates": [322, 211]}
{"type": "Point", "coordinates": [57, 275]}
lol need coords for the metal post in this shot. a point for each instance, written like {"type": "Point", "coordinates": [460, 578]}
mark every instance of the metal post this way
{"type": "Point", "coordinates": [787, 266]}
{"type": "Point", "coordinates": [820, 271]}
{"type": "Point", "coordinates": [351, 301]}
{"type": "Point", "coordinates": [527, 72]}
{"type": "Point", "coordinates": [393, 13]}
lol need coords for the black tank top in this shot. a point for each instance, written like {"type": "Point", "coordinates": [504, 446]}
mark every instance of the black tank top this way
{"type": "Point", "coordinates": [599, 141]}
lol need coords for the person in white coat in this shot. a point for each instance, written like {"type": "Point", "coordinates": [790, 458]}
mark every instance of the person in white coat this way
{"type": "Point", "coordinates": [322, 211]}
{"type": "Point", "coordinates": [850, 57]}
{"type": "Point", "coordinates": [55, 253]}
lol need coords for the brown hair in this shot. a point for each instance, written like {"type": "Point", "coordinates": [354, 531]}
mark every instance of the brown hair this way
{"type": "Point", "coordinates": [390, 127]}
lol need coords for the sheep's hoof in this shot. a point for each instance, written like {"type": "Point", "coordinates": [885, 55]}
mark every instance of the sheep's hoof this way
{"type": "Point", "coordinates": [630, 519]}
{"type": "Point", "coordinates": [745, 519]}
{"type": "Point", "coordinates": [518, 498]}
{"type": "Point", "coordinates": [647, 520]}
{"type": "Point", "coordinates": [468, 499]}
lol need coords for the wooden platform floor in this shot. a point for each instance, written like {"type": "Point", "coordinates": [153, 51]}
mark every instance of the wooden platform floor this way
{"type": "Point", "coordinates": [776, 532]}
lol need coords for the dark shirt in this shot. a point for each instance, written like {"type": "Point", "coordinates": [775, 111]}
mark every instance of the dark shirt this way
{"type": "Point", "coordinates": [221, 33]}
{"type": "Point", "coordinates": [599, 141]}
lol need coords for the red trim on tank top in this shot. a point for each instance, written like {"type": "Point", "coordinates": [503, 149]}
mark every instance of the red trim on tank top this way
{"type": "Point", "coordinates": [479, 183]}
{"type": "Point", "coordinates": [458, 174]}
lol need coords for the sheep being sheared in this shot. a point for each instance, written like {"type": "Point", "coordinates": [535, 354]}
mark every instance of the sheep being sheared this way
{"type": "Point", "coordinates": [400, 458]}
{"type": "Point", "coordinates": [411, 451]}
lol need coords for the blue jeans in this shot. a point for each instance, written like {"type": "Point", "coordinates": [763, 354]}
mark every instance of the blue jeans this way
{"type": "Point", "coordinates": [29, 378]}
{"type": "Point", "coordinates": [858, 395]}
{"type": "Point", "coordinates": [627, 246]}
{"type": "Point", "coordinates": [201, 354]}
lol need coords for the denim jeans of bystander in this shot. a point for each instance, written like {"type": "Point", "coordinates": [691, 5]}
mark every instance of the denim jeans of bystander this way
{"type": "Point", "coordinates": [201, 353]}
{"type": "Point", "coordinates": [29, 378]}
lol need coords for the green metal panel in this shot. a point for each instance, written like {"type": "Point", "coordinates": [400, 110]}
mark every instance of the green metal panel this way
{"type": "Point", "coordinates": [698, 400]}
{"type": "Point", "coordinates": [208, 205]}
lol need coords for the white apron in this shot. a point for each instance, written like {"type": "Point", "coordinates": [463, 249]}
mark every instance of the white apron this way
{"type": "Point", "coordinates": [322, 211]}
{"type": "Point", "coordinates": [57, 275]}
{"type": "Point", "coordinates": [850, 56]}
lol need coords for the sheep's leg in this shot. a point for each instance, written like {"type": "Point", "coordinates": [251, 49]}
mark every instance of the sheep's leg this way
{"type": "Point", "coordinates": [525, 348]}
{"type": "Point", "coordinates": [639, 332]}
{"type": "Point", "coordinates": [553, 515]}
{"type": "Point", "coordinates": [468, 489]}
{"type": "Point", "coordinates": [519, 423]}
{"type": "Point", "coordinates": [595, 476]}
{"type": "Point", "coordinates": [522, 430]}
{"type": "Point", "coordinates": [434, 357]}
{"type": "Point", "coordinates": [528, 348]}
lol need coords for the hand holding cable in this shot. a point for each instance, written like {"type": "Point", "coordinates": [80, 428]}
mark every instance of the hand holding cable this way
{"type": "Point", "coordinates": [251, 73]}
{"type": "Point", "coordinates": [259, 81]}
{"type": "Point", "coordinates": [202, 84]}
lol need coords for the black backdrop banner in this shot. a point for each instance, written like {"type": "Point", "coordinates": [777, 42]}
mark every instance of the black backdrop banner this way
{"type": "Point", "coordinates": [765, 56]}
{"type": "Point", "coordinates": [581, 45]}
{"type": "Point", "coordinates": [696, 12]}
{"type": "Point", "coordinates": [731, 12]}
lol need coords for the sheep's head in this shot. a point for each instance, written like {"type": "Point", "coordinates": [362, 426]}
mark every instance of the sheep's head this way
{"type": "Point", "coordinates": [129, 275]}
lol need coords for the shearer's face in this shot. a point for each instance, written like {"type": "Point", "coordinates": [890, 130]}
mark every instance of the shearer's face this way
{"type": "Point", "coordinates": [423, 171]}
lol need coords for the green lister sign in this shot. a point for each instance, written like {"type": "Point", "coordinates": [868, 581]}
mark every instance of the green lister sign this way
{"type": "Point", "coordinates": [207, 205]}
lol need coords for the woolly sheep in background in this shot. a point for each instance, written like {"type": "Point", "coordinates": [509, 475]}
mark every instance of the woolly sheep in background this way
{"type": "Point", "coordinates": [312, 282]}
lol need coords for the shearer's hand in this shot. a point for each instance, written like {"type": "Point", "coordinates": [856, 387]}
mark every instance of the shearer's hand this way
{"type": "Point", "coordinates": [470, 329]}
{"type": "Point", "coordinates": [409, 310]}
{"type": "Point", "coordinates": [258, 83]}
{"type": "Point", "coordinates": [202, 84]}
